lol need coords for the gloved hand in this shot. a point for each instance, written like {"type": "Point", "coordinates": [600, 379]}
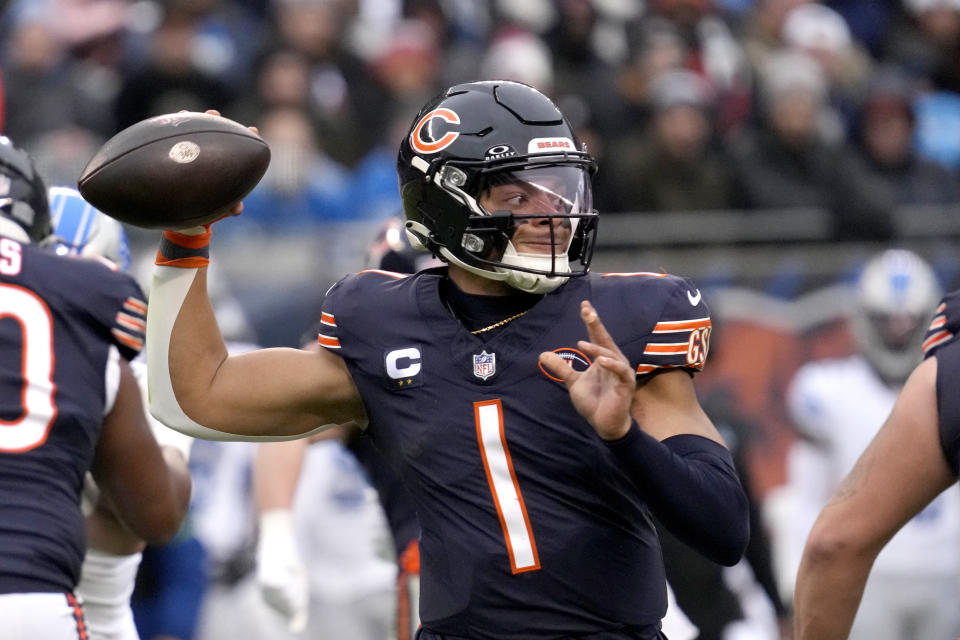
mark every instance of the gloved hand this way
{"type": "Point", "coordinates": [280, 574]}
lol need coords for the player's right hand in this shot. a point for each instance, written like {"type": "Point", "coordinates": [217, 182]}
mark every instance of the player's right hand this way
{"type": "Point", "coordinates": [280, 574]}
{"type": "Point", "coordinates": [603, 393]}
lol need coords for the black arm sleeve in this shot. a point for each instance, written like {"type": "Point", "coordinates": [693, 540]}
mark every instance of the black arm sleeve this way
{"type": "Point", "coordinates": [691, 486]}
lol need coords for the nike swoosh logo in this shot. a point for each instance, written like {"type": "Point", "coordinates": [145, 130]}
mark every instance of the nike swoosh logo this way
{"type": "Point", "coordinates": [694, 298]}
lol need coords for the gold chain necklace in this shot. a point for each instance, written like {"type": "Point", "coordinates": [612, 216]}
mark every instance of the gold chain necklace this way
{"type": "Point", "coordinates": [499, 324]}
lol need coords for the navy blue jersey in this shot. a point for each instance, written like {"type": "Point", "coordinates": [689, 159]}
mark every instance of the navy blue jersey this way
{"type": "Point", "coordinates": [60, 319]}
{"type": "Point", "coordinates": [529, 529]}
{"type": "Point", "coordinates": [941, 342]}
{"type": "Point", "coordinates": [948, 401]}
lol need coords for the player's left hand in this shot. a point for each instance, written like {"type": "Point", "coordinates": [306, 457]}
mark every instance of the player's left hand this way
{"type": "Point", "coordinates": [603, 392]}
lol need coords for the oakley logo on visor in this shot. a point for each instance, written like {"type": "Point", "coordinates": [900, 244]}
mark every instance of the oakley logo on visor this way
{"type": "Point", "coordinates": [424, 146]}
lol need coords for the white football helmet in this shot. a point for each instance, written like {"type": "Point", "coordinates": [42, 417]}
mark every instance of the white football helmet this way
{"type": "Point", "coordinates": [895, 299]}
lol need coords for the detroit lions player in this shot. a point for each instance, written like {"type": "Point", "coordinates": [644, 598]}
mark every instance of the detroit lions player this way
{"type": "Point", "coordinates": [69, 403]}
{"type": "Point", "coordinates": [895, 485]}
{"type": "Point", "coordinates": [82, 230]}
{"type": "Point", "coordinates": [113, 555]}
{"type": "Point", "coordinates": [534, 480]}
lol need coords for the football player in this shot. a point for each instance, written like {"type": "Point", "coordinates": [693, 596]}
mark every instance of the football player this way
{"type": "Point", "coordinates": [69, 404]}
{"type": "Point", "coordinates": [113, 556]}
{"type": "Point", "coordinates": [910, 461]}
{"type": "Point", "coordinates": [838, 405]}
{"type": "Point", "coordinates": [536, 440]}
{"type": "Point", "coordinates": [281, 572]}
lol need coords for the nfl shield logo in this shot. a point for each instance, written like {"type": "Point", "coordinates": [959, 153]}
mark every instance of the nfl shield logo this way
{"type": "Point", "coordinates": [484, 365]}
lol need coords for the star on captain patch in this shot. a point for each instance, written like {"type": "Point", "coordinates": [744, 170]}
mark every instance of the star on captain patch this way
{"type": "Point", "coordinates": [484, 364]}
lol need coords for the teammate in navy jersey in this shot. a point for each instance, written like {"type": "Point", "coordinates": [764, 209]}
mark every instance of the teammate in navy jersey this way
{"type": "Point", "coordinates": [68, 404]}
{"type": "Point", "coordinates": [535, 439]}
{"type": "Point", "coordinates": [911, 460]}
{"type": "Point", "coordinates": [114, 554]}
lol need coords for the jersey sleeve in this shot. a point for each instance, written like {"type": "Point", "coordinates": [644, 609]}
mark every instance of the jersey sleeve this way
{"type": "Point", "coordinates": [352, 297]}
{"type": "Point", "coordinates": [121, 307]}
{"type": "Point", "coordinates": [948, 401]}
{"type": "Point", "coordinates": [328, 334]}
{"type": "Point", "coordinates": [680, 338]}
{"type": "Point", "coordinates": [945, 324]}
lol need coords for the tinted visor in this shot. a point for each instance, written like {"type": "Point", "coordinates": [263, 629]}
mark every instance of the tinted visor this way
{"type": "Point", "coordinates": [545, 190]}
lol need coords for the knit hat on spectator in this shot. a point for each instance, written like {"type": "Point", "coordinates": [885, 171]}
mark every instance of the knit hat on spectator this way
{"type": "Point", "coordinates": [680, 88]}
{"type": "Point", "coordinates": [816, 27]}
{"type": "Point", "coordinates": [786, 72]}
{"type": "Point", "coordinates": [519, 56]}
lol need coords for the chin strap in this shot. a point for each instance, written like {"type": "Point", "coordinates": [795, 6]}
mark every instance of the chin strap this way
{"type": "Point", "coordinates": [524, 281]}
{"type": "Point", "coordinates": [534, 282]}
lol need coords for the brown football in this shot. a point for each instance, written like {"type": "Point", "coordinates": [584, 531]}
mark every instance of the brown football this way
{"type": "Point", "coordinates": [174, 171]}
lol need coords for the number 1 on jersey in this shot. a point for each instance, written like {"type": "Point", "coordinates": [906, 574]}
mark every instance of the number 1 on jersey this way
{"type": "Point", "coordinates": [507, 498]}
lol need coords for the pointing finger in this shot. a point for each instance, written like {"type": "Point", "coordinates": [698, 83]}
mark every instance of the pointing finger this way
{"type": "Point", "coordinates": [595, 328]}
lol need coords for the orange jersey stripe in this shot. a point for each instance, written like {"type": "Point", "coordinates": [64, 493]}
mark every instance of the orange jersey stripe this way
{"type": "Point", "coordinates": [328, 341]}
{"type": "Point", "coordinates": [131, 322]}
{"type": "Point", "coordinates": [936, 339]}
{"type": "Point", "coordinates": [392, 274]}
{"type": "Point", "coordinates": [666, 348]}
{"type": "Point", "coordinates": [127, 339]}
{"type": "Point", "coordinates": [681, 325]}
{"type": "Point", "coordinates": [327, 319]}
{"type": "Point", "coordinates": [78, 616]}
{"type": "Point", "coordinates": [938, 322]}
{"type": "Point", "coordinates": [137, 306]}
{"type": "Point", "coordinates": [651, 274]}
{"type": "Point", "coordinates": [647, 368]}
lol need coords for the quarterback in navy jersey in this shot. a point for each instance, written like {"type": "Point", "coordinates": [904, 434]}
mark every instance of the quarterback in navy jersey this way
{"type": "Point", "coordinates": [536, 440]}
{"type": "Point", "coordinates": [911, 461]}
{"type": "Point", "coordinates": [68, 404]}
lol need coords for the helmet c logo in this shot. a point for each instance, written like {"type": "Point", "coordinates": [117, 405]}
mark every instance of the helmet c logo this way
{"type": "Point", "coordinates": [427, 147]}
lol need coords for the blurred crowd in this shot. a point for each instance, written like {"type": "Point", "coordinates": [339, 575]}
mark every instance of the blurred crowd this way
{"type": "Point", "coordinates": [848, 105]}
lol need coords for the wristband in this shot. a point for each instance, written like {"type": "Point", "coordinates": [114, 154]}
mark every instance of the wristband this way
{"type": "Point", "coordinates": [184, 249]}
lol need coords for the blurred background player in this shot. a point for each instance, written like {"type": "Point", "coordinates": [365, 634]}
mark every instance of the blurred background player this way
{"type": "Point", "coordinates": [838, 406]}
{"type": "Point", "coordinates": [912, 459]}
{"type": "Point", "coordinates": [282, 572]}
{"type": "Point", "coordinates": [70, 404]}
{"type": "Point", "coordinates": [113, 554]}
{"type": "Point", "coordinates": [82, 230]}
{"type": "Point", "coordinates": [325, 558]}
